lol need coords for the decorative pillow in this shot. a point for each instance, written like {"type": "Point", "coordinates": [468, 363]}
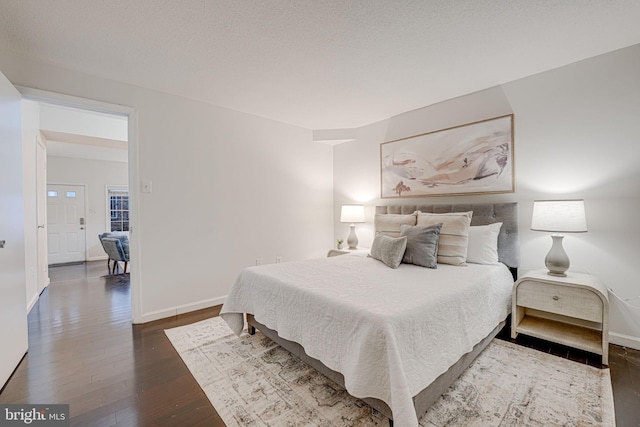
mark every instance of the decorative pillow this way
{"type": "Point", "coordinates": [422, 245]}
{"type": "Point", "coordinates": [483, 244]}
{"type": "Point", "coordinates": [389, 250]}
{"type": "Point", "coordinates": [389, 225]}
{"type": "Point", "coordinates": [454, 235]}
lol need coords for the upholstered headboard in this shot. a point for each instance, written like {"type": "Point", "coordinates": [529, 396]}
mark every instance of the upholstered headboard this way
{"type": "Point", "coordinates": [483, 214]}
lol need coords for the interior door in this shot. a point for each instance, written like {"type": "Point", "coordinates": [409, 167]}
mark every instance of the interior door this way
{"type": "Point", "coordinates": [41, 206]}
{"type": "Point", "coordinates": [66, 234]}
{"type": "Point", "coordinates": [13, 292]}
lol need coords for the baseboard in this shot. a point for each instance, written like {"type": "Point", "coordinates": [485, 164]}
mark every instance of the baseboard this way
{"type": "Point", "coordinates": [181, 309]}
{"type": "Point", "coordinates": [159, 314]}
{"type": "Point", "coordinates": [97, 258]}
{"type": "Point", "coordinates": [33, 302]}
{"type": "Point", "coordinates": [624, 340]}
{"type": "Point", "coordinates": [186, 308]}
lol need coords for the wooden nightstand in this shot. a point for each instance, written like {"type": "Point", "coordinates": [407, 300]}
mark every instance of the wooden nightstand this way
{"type": "Point", "coordinates": [344, 251]}
{"type": "Point", "coordinates": [572, 310]}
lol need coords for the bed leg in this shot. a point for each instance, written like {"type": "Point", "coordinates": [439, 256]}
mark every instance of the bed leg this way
{"type": "Point", "coordinates": [251, 330]}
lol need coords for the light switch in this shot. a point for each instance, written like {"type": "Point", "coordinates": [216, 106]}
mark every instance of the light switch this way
{"type": "Point", "coordinates": [147, 187]}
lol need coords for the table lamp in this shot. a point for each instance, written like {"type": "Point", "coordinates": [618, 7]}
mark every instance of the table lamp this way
{"type": "Point", "coordinates": [352, 214]}
{"type": "Point", "coordinates": [558, 216]}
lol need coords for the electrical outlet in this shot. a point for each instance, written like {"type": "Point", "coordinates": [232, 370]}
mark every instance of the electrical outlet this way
{"type": "Point", "coordinates": [278, 259]}
{"type": "Point", "coordinates": [258, 261]}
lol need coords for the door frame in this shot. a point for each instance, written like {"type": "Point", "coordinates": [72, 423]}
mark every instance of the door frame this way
{"type": "Point", "coordinates": [42, 275]}
{"type": "Point", "coordinates": [131, 113]}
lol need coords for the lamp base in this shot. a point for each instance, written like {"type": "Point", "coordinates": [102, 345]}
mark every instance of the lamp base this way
{"type": "Point", "coordinates": [551, 273]}
{"type": "Point", "coordinates": [557, 260]}
{"type": "Point", "coordinates": [352, 240]}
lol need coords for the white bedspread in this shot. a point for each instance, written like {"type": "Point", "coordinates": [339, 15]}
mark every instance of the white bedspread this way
{"type": "Point", "coordinates": [389, 332]}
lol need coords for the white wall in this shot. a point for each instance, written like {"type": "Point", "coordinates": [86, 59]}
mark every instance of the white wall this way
{"type": "Point", "coordinates": [576, 136]}
{"type": "Point", "coordinates": [95, 175]}
{"type": "Point", "coordinates": [228, 188]}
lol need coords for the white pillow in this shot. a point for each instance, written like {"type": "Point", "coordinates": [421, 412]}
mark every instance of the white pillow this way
{"type": "Point", "coordinates": [454, 234]}
{"type": "Point", "coordinates": [483, 244]}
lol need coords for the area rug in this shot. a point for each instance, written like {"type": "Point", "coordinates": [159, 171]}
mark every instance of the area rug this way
{"type": "Point", "coordinates": [251, 381]}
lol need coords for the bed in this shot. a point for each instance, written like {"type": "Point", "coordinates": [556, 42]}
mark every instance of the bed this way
{"type": "Point", "coordinates": [394, 337]}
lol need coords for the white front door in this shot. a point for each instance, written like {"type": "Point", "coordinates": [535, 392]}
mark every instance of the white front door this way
{"type": "Point", "coordinates": [13, 286]}
{"type": "Point", "coordinates": [66, 234]}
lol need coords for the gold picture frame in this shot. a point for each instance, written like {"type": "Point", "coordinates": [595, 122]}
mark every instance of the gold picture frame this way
{"type": "Point", "coordinates": [473, 158]}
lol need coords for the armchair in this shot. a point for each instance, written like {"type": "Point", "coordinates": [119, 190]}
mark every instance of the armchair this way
{"type": "Point", "coordinates": [117, 248]}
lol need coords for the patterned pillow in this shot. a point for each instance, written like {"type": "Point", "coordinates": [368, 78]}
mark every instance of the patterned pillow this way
{"type": "Point", "coordinates": [389, 225]}
{"type": "Point", "coordinates": [422, 245]}
{"type": "Point", "coordinates": [389, 250]}
{"type": "Point", "coordinates": [454, 235]}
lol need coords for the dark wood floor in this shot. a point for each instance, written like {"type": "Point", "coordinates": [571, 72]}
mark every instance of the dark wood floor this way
{"type": "Point", "coordinates": [84, 351]}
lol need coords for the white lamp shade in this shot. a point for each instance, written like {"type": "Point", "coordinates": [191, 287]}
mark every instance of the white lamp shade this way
{"type": "Point", "coordinates": [561, 216]}
{"type": "Point", "coordinates": [352, 213]}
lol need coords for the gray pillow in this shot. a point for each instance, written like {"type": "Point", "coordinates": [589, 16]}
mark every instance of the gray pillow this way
{"type": "Point", "coordinates": [389, 250]}
{"type": "Point", "coordinates": [422, 245]}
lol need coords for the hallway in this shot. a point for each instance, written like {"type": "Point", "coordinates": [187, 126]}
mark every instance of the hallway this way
{"type": "Point", "coordinates": [84, 351]}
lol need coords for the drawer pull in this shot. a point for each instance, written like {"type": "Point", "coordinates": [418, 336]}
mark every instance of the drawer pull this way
{"type": "Point", "coordinates": [556, 298]}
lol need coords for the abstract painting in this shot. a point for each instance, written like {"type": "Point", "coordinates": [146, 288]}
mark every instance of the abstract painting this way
{"type": "Point", "coordinates": [474, 158]}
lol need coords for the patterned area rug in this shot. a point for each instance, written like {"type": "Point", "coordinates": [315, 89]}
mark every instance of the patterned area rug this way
{"type": "Point", "coordinates": [251, 381]}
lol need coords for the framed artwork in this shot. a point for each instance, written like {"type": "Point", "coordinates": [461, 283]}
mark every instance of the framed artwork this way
{"type": "Point", "coordinates": [474, 158]}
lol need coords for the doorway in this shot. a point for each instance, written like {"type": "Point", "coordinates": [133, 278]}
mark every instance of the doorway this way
{"type": "Point", "coordinates": [87, 152]}
{"type": "Point", "coordinates": [95, 189]}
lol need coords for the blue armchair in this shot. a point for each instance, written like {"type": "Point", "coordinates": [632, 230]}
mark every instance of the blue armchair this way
{"type": "Point", "coordinates": [116, 245]}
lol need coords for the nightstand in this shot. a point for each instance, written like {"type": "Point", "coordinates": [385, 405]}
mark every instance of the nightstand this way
{"type": "Point", "coordinates": [336, 252]}
{"type": "Point", "coordinates": [572, 310]}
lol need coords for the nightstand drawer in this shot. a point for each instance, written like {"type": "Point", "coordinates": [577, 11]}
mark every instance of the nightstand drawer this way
{"type": "Point", "coordinates": [560, 299]}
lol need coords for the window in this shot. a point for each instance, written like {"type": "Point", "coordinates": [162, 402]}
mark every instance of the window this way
{"type": "Point", "coordinates": [71, 194]}
{"type": "Point", "coordinates": [52, 194]}
{"type": "Point", "coordinates": [118, 209]}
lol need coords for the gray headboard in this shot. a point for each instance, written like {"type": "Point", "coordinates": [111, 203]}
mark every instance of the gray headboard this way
{"type": "Point", "coordinates": [483, 214]}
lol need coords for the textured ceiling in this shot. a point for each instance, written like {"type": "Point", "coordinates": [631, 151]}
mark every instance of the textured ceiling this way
{"type": "Point", "coordinates": [319, 64]}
